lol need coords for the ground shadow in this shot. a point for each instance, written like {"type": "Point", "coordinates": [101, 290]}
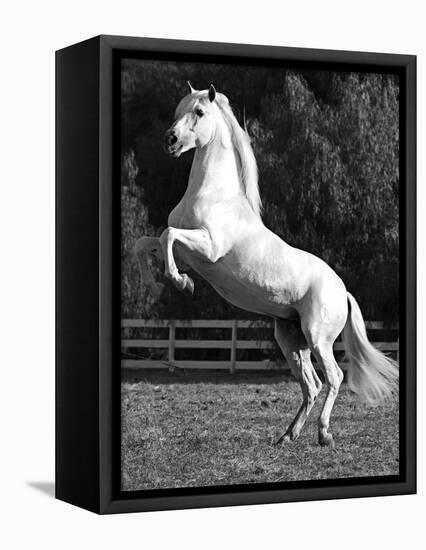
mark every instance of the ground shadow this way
{"type": "Point", "coordinates": [46, 487]}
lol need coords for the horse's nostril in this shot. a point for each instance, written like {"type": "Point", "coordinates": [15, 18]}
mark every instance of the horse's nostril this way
{"type": "Point", "coordinates": [172, 139]}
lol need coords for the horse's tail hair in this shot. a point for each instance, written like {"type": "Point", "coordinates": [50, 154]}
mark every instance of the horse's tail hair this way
{"type": "Point", "coordinates": [371, 374]}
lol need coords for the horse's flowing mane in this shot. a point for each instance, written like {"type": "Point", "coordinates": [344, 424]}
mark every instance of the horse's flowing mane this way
{"type": "Point", "coordinates": [246, 161]}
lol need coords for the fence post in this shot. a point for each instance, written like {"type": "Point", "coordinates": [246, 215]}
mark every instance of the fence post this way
{"type": "Point", "coordinates": [172, 341]}
{"type": "Point", "coordinates": [234, 345]}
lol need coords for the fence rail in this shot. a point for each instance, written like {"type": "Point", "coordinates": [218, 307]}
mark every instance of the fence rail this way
{"type": "Point", "coordinates": [232, 344]}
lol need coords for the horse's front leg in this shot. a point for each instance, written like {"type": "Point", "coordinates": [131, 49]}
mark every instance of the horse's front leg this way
{"type": "Point", "coordinates": [196, 241]}
{"type": "Point", "coordinates": [144, 247]}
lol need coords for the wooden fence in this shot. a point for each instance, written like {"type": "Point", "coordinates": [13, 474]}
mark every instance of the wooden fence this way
{"type": "Point", "coordinates": [133, 360]}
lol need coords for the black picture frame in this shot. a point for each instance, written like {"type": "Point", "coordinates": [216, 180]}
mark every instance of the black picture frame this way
{"type": "Point", "coordinates": [87, 276]}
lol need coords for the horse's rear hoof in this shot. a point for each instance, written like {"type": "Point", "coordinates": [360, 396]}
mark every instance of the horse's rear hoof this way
{"type": "Point", "coordinates": [326, 440]}
{"type": "Point", "coordinates": [285, 438]}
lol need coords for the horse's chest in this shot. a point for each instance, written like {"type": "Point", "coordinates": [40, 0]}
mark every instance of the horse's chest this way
{"type": "Point", "coordinates": [191, 216]}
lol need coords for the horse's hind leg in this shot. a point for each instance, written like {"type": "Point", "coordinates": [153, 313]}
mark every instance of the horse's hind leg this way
{"type": "Point", "coordinates": [333, 376]}
{"type": "Point", "coordinates": [296, 350]}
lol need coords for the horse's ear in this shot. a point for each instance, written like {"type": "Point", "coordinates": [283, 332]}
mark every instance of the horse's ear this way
{"type": "Point", "coordinates": [191, 89]}
{"type": "Point", "coordinates": [212, 93]}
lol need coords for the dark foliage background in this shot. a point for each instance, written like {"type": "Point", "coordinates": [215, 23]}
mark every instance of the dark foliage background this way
{"type": "Point", "coordinates": [327, 148]}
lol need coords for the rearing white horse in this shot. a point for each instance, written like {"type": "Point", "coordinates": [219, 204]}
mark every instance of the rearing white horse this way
{"type": "Point", "coordinates": [217, 230]}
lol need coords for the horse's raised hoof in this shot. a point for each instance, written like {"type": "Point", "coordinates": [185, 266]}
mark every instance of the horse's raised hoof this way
{"type": "Point", "coordinates": [188, 285]}
{"type": "Point", "coordinates": [326, 440]}
{"type": "Point", "coordinates": [156, 291]}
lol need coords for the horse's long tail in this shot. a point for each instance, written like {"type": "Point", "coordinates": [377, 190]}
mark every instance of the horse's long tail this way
{"type": "Point", "coordinates": [371, 374]}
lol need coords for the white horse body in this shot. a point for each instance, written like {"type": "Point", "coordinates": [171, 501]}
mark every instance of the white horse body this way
{"type": "Point", "coordinates": [217, 230]}
{"type": "Point", "coordinates": [255, 270]}
{"type": "Point", "coordinates": [260, 273]}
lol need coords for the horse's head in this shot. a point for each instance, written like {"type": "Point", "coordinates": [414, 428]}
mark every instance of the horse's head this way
{"type": "Point", "coordinates": [195, 121]}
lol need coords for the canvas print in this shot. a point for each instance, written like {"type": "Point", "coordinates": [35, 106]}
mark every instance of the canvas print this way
{"type": "Point", "coordinates": [259, 274]}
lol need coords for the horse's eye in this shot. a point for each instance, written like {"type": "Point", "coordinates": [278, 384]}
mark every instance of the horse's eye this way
{"type": "Point", "coordinates": [199, 112]}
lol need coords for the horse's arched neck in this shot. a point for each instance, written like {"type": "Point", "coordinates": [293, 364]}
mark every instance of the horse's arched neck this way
{"type": "Point", "coordinates": [214, 168]}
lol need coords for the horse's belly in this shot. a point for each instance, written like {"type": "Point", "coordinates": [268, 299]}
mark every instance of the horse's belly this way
{"type": "Point", "coordinates": [247, 291]}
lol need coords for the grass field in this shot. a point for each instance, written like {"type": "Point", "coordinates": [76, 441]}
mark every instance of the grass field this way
{"type": "Point", "coordinates": [203, 429]}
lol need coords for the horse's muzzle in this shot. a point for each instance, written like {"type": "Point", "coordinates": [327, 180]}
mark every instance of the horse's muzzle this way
{"type": "Point", "coordinates": [170, 144]}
